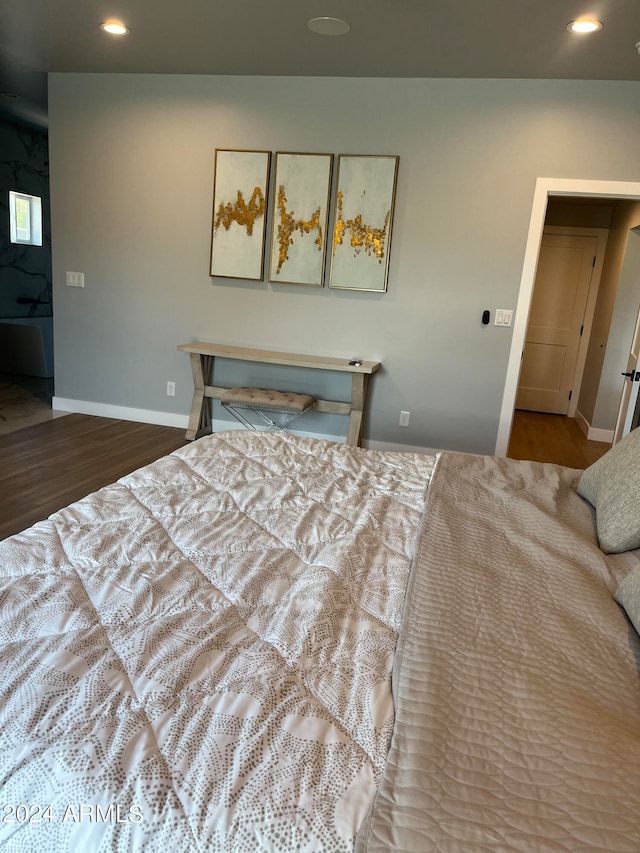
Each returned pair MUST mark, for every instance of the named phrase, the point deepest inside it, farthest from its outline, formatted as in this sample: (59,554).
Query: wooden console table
(202,358)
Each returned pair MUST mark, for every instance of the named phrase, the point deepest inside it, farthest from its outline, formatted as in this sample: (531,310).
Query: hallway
(552,438)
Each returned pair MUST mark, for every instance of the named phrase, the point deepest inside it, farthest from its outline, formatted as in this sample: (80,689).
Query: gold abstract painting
(300,218)
(365,201)
(239,218)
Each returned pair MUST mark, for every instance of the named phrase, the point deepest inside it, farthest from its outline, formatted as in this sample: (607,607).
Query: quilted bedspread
(516,678)
(198,656)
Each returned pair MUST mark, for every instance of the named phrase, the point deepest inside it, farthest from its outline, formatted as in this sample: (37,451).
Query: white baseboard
(600,435)
(123,413)
(582,422)
(399,448)
(147,416)
(221,426)
(592,433)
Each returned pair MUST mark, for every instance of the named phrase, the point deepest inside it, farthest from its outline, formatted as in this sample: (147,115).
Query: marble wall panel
(25,271)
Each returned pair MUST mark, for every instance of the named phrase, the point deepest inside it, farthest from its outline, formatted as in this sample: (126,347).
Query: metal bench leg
(272,426)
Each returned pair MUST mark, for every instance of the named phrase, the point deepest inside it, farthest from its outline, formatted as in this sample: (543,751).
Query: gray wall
(131,179)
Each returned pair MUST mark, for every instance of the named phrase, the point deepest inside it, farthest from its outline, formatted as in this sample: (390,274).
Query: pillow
(612,486)
(628,597)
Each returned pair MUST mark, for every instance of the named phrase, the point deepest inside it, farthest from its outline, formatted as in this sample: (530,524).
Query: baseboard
(399,448)
(147,416)
(605,435)
(122,413)
(592,433)
(582,422)
(221,426)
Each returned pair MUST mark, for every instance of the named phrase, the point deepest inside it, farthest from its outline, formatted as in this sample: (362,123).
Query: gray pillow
(628,596)
(612,486)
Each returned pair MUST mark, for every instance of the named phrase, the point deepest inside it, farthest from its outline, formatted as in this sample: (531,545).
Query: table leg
(200,415)
(358,394)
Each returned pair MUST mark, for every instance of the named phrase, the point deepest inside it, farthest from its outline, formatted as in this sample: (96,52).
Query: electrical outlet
(404,419)
(171,389)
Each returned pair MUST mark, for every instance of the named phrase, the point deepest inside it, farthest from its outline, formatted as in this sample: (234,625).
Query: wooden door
(563,277)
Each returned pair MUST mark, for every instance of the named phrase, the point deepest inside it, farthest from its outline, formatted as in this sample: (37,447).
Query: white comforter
(198,657)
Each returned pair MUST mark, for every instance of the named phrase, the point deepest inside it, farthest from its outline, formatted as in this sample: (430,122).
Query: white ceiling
(388,38)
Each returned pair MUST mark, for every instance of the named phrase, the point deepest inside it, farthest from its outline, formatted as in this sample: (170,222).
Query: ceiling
(388,38)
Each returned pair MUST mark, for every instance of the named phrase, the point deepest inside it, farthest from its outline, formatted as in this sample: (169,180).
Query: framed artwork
(300,218)
(240,189)
(363,220)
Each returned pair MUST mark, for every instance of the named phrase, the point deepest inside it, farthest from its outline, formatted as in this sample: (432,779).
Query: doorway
(545,188)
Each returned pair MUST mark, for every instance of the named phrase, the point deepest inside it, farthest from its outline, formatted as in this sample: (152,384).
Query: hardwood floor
(552,438)
(49,465)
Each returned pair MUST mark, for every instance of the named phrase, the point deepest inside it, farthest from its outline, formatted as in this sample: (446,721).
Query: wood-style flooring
(552,438)
(51,464)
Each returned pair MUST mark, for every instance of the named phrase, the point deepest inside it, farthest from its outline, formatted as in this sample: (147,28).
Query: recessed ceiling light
(328,26)
(584,25)
(114,28)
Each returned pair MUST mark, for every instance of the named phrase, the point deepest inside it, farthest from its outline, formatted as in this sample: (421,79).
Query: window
(25,216)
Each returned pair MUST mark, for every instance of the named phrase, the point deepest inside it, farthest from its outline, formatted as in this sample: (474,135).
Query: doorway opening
(593,192)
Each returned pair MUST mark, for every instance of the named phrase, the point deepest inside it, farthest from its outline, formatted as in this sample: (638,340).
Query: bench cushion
(260,398)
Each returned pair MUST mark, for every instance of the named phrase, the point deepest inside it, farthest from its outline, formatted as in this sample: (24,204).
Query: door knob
(633,375)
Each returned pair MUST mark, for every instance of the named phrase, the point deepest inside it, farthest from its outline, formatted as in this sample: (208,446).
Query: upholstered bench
(261,401)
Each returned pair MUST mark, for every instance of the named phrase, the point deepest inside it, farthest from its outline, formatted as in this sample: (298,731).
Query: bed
(268,643)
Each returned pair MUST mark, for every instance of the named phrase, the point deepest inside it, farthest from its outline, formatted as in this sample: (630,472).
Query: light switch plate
(504,317)
(75,279)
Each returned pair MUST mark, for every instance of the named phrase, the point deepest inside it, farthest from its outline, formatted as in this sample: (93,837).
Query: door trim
(545,187)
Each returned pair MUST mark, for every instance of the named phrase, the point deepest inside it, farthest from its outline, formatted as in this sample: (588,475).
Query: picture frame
(239,213)
(363,221)
(300,218)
